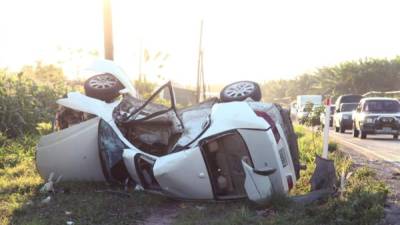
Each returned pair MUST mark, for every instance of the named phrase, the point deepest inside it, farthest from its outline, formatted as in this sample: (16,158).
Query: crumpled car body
(209,151)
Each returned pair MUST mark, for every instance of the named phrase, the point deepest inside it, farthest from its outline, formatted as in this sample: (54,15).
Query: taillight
(271,122)
(289,182)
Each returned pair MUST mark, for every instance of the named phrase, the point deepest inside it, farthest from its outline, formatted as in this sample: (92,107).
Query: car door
(257,185)
(267,175)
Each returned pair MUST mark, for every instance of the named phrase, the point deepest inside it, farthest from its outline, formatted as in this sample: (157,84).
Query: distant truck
(302,100)
(302,110)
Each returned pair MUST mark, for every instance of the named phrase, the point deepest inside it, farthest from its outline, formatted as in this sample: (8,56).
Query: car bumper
(381,128)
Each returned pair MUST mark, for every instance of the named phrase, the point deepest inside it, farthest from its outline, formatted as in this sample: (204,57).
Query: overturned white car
(220,149)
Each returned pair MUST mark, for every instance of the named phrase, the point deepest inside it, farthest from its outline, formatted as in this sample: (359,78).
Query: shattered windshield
(196,120)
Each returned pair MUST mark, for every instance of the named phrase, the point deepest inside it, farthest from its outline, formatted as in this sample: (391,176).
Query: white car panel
(83,103)
(174,180)
(258,187)
(72,153)
(240,116)
(256,139)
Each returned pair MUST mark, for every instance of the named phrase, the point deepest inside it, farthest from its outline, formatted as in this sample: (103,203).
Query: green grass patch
(362,203)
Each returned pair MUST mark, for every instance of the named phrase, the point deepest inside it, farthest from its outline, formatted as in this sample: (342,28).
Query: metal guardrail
(384,93)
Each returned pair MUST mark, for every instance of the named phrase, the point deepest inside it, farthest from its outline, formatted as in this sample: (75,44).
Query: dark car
(349,98)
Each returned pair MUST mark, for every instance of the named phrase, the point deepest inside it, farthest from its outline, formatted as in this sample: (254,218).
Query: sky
(242,39)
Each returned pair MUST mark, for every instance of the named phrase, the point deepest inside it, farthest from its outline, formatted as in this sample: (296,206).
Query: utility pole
(108,35)
(201,86)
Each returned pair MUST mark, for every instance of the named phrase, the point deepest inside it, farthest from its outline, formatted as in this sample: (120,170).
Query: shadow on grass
(86,203)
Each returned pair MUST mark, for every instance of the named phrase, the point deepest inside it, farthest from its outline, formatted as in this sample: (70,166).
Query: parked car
(377,116)
(331,113)
(220,149)
(343,119)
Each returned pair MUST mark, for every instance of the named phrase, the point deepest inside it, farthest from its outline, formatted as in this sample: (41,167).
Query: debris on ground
(49,186)
(324,176)
(265,212)
(200,207)
(312,196)
(46,200)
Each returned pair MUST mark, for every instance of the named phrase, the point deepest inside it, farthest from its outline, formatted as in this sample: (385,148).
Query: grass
(88,203)
(20,198)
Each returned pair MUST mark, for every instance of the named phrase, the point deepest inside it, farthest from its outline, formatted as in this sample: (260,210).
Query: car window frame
(155,114)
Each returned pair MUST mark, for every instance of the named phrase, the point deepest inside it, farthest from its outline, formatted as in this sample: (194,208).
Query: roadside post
(326,128)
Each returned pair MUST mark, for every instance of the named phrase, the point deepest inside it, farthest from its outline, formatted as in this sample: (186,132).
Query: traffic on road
(369,125)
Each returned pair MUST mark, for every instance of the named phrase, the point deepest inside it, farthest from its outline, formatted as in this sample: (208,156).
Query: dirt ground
(390,174)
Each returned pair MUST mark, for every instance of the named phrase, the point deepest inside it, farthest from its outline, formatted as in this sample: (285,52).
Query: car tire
(341,129)
(356,133)
(363,135)
(240,91)
(336,129)
(395,136)
(105,87)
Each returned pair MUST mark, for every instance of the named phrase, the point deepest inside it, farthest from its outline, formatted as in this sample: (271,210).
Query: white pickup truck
(377,116)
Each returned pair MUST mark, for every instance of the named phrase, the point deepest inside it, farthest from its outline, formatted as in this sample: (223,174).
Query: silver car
(220,149)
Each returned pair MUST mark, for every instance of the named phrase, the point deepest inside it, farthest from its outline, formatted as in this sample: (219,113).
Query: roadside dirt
(390,174)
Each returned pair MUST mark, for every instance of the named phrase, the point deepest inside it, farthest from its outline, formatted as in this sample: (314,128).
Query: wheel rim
(240,89)
(103,81)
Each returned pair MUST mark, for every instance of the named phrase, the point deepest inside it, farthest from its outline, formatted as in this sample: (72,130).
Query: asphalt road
(382,147)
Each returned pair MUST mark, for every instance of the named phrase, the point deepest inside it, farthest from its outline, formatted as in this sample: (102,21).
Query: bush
(13,151)
(24,103)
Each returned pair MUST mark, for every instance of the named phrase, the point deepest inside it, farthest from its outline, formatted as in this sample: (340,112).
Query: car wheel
(355,131)
(336,129)
(103,86)
(395,136)
(363,135)
(342,130)
(240,91)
